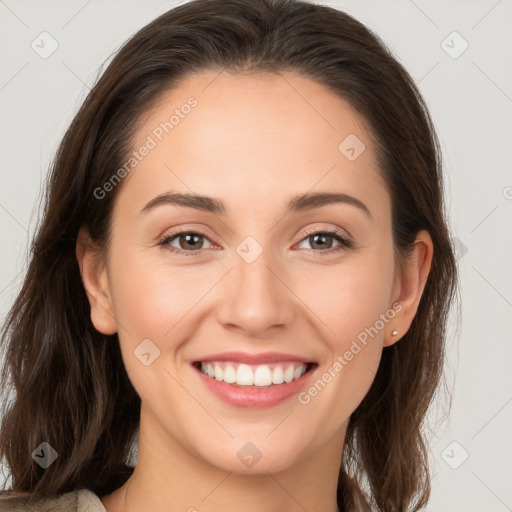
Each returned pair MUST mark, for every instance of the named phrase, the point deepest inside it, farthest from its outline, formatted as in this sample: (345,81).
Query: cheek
(151,302)
(150,297)
(351,307)
(349,298)
(352,302)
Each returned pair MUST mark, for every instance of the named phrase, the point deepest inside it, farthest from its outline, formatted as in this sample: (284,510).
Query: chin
(255,456)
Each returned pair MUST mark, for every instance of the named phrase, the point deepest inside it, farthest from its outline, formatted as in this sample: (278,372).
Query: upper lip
(247,358)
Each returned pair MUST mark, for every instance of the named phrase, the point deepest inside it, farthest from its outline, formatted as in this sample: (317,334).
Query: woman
(244,270)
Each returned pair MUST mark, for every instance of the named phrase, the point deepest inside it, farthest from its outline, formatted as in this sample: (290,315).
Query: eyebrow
(296,204)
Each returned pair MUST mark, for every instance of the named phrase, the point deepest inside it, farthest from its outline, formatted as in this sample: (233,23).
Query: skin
(253,141)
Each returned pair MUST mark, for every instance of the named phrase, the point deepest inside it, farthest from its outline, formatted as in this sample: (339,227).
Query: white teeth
(288,374)
(229,374)
(277,375)
(244,375)
(261,375)
(218,373)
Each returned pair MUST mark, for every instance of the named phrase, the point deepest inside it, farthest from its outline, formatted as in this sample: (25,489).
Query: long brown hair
(70,385)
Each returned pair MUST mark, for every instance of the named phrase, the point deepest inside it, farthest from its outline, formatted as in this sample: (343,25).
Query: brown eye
(184,242)
(321,241)
(190,241)
(324,240)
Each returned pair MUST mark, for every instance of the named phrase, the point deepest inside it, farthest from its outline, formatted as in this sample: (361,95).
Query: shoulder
(89,502)
(81,500)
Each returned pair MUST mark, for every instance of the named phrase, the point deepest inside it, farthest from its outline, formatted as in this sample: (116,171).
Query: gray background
(470,99)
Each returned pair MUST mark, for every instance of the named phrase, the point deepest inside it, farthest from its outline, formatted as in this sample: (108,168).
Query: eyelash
(345,243)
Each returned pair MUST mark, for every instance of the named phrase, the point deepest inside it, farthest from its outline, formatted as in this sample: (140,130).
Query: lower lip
(254,398)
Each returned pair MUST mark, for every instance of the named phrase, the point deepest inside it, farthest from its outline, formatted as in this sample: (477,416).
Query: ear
(409,285)
(95,281)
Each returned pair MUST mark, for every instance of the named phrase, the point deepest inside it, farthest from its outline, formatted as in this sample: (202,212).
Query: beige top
(82,500)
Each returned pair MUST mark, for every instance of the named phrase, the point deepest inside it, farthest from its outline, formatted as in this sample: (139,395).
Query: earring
(394,333)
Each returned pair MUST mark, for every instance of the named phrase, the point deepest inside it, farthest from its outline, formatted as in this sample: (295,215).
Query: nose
(255,298)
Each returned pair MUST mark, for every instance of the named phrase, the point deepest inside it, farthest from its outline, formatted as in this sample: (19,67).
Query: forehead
(257,136)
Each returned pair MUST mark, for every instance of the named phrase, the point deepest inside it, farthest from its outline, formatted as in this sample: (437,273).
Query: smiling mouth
(254,376)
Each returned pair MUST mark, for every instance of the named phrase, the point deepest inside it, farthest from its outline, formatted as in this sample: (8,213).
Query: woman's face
(251,272)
